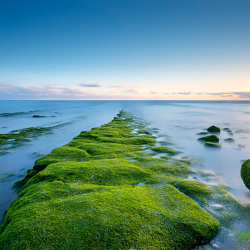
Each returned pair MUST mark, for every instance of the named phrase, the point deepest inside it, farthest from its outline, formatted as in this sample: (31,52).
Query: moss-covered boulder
(245,173)
(213,129)
(103,191)
(209,138)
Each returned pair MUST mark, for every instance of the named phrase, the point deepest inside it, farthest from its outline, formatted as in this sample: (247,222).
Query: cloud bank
(118,92)
(9,91)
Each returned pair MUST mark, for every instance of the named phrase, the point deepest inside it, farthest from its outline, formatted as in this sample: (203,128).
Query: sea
(179,121)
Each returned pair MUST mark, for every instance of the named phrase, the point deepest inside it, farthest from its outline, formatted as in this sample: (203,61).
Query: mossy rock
(195,189)
(213,129)
(212,144)
(18,137)
(245,173)
(163,149)
(64,153)
(229,140)
(103,191)
(209,138)
(112,218)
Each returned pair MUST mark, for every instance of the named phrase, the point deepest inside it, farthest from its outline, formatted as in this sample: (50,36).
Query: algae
(212,144)
(163,149)
(104,191)
(18,137)
(17,113)
(213,129)
(242,240)
(245,173)
(209,138)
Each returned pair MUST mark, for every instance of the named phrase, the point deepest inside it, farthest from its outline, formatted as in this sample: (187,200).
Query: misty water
(178,121)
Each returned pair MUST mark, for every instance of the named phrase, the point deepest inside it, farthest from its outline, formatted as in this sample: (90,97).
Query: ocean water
(178,121)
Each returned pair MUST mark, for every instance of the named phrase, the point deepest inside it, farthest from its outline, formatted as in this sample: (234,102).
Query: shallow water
(72,118)
(180,121)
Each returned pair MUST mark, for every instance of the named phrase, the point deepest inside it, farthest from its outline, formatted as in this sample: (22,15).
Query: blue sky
(161,49)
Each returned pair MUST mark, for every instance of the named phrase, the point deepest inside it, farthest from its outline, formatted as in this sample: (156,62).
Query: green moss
(99,172)
(194,189)
(113,218)
(18,137)
(245,173)
(14,114)
(213,129)
(141,131)
(111,150)
(210,138)
(212,144)
(242,240)
(163,149)
(103,191)
(64,153)
(170,169)
(233,209)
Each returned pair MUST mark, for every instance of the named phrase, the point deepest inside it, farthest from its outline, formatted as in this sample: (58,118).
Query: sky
(125,50)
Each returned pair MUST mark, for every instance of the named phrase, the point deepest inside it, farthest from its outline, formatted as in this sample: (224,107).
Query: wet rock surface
(213,129)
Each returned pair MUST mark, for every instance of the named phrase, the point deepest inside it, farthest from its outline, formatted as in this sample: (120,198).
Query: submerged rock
(213,129)
(245,173)
(6,177)
(240,146)
(209,138)
(38,116)
(230,140)
(202,133)
(227,130)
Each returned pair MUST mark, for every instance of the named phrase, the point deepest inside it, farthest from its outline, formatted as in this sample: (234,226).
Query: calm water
(180,120)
